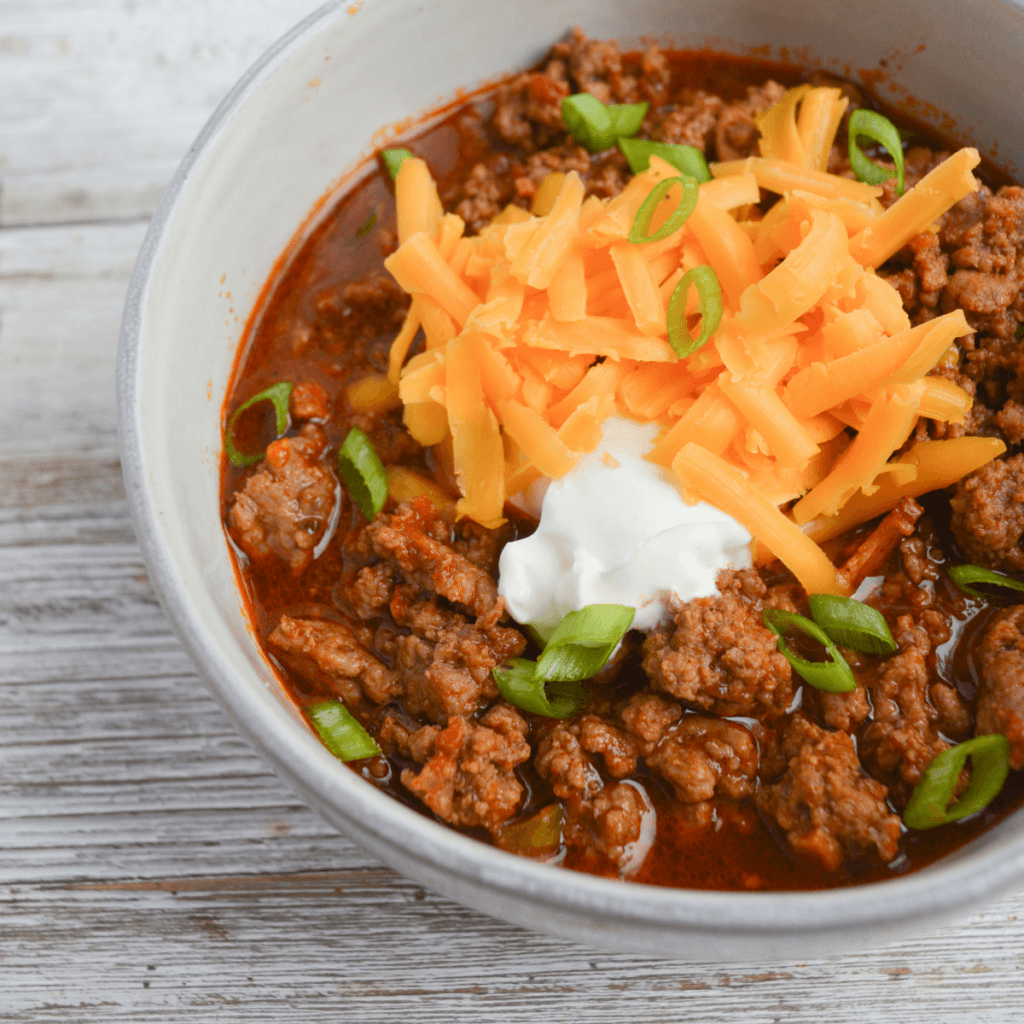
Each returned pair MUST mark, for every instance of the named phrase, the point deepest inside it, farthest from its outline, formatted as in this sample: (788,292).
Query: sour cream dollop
(615,530)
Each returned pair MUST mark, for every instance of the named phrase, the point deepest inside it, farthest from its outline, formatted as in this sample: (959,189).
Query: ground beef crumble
(605,818)
(903,737)
(988,514)
(829,808)
(447,661)
(528,118)
(1001,687)
(329,653)
(468,777)
(286,504)
(415,541)
(716,654)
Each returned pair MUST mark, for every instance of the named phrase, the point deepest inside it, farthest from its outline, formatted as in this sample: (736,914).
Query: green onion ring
(583,642)
(852,624)
(709,291)
(363,473)
(596,126)
(341,733)
(578,649)
(541,833)
(279,395)
(835,676)
(644,216)
(990,764)
(881,130)
(688,159)
(520,684)
(966,575)
(393,160)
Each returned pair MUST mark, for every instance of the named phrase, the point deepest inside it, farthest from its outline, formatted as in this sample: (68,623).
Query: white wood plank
(366,946)
(100,99)
(61,294)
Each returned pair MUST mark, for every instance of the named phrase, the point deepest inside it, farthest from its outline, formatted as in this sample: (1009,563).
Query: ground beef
(647,716)
(899,595)
(702,758)
(468,777)
(330,655)
(415,541)
(716,654)
(1001,686)
(595,66)
(988,514)
(370,592)
(974,261)
(285,506)
(901,741)
(916,563)
(480,545)
(309,401)
(691,123)
(605,819)
(486,191)
(618,749)
(655,75)
(528,110)
(447,661)
(735,132)
(350,316)
(830,810)
(843,711)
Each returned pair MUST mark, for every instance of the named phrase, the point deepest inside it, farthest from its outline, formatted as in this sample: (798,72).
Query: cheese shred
(548,322)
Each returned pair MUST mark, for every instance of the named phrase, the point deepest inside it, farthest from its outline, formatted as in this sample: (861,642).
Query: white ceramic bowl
(305,113)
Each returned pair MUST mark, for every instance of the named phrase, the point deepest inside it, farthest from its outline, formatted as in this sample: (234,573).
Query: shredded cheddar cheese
(548,322)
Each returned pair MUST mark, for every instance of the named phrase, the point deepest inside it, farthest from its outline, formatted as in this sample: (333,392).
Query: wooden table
(151,867)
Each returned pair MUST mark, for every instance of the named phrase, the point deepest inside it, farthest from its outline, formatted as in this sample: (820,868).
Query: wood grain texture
(101,98)
(151,867)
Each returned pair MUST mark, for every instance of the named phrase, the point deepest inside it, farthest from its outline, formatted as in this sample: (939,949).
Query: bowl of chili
(296,132)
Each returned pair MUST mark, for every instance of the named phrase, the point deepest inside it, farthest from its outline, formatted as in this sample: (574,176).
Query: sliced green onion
(835,676)
(539,834)
(852,623)
(583,641)
(874,126)
(688,159)
(644,216)
(341,733)
(578,649)
(393,160)
(367,226)
(990,764)
(626,119)
(709,291)
(279,395)
(363,473)
(520,684)
(595,126)
(966,575)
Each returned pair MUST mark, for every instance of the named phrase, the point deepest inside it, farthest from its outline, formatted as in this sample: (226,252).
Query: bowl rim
(949,886)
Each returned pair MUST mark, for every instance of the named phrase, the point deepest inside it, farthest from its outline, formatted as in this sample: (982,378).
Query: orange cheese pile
(543,325)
